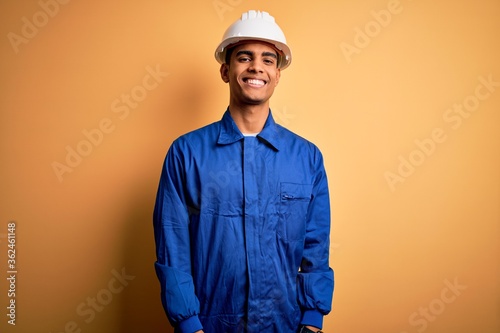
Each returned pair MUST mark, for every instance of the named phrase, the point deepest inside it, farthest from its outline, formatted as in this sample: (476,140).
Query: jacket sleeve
(315,279)
(171,231)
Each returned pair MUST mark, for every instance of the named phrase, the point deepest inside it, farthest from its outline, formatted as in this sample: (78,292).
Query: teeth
(256,82)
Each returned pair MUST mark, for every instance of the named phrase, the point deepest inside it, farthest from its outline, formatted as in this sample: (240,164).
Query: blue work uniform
(242,230)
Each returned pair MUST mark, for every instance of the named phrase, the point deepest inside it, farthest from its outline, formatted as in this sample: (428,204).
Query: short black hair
(229,52)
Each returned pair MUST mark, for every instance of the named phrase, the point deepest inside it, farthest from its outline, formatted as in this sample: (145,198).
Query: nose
(256,66)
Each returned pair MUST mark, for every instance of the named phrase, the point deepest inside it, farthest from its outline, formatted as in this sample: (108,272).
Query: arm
(315,279)
(173,251)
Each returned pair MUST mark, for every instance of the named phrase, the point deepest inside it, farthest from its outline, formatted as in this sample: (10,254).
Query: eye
(244,59)
(269,61)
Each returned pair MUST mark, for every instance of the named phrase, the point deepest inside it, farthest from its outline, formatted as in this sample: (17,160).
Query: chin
(256,101)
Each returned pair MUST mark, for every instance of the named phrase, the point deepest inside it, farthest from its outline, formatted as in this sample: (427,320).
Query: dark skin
(252,74)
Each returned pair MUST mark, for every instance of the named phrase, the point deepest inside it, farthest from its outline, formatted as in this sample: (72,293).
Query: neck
(249,118)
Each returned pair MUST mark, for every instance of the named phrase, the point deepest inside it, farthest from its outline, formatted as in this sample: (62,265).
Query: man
(242,216)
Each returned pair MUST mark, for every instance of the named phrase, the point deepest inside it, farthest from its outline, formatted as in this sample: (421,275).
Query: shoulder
(292,140)
(202,135)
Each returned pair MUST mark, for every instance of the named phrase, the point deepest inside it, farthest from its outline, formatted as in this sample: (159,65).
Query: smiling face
(252,73)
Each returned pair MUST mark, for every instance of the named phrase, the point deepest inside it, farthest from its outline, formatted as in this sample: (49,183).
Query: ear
(278,76)
(224,72)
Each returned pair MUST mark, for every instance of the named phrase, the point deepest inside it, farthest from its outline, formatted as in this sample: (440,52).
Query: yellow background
(397,245)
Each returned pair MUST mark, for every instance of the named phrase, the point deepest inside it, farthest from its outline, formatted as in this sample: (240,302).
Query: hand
(200,331)
(312,328)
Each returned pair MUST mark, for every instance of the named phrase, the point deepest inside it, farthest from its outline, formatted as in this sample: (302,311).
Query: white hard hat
(255,25)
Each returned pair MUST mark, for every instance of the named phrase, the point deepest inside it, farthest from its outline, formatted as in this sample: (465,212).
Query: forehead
(255,47)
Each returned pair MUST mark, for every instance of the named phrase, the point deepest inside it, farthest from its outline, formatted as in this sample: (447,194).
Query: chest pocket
(294,202)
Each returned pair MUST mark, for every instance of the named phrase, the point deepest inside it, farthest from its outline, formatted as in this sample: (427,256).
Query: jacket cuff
(190,325)
(312,318)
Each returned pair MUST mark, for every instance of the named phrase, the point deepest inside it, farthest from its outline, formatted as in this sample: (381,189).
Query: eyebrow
(264,54)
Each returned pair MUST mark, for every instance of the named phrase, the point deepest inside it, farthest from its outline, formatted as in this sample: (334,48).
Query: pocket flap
(292,191)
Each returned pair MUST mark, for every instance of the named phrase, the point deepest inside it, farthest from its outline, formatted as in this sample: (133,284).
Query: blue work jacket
(242,230)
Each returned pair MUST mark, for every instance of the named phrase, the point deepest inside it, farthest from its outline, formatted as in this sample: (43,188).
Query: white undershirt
(251,134)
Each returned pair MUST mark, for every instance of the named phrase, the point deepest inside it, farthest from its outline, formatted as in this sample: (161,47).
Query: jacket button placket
(250,183)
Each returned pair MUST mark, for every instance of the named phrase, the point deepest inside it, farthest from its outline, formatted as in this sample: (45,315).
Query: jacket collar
(229,132)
